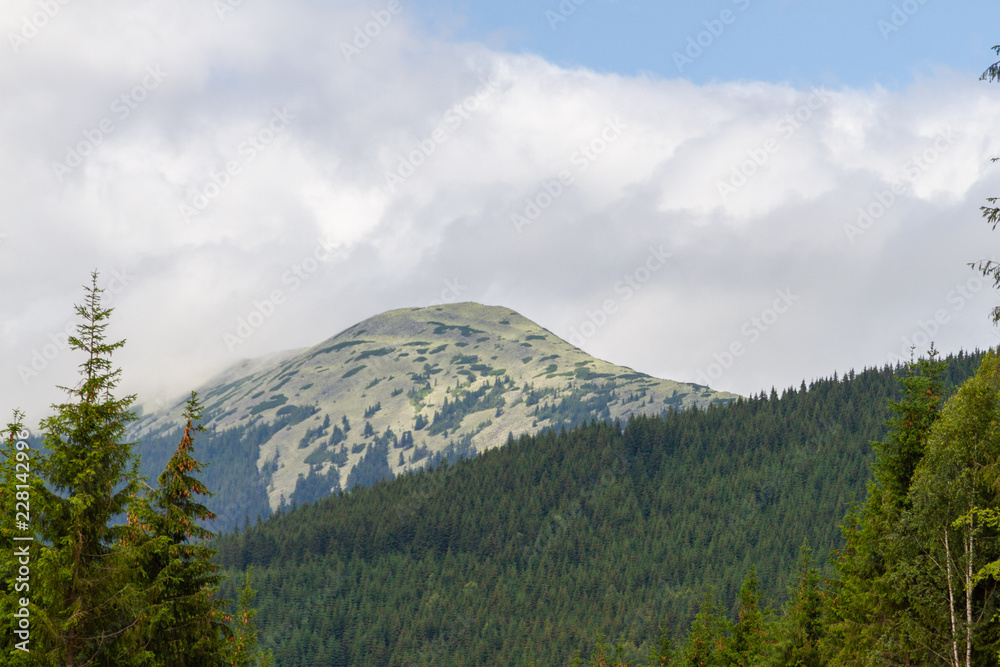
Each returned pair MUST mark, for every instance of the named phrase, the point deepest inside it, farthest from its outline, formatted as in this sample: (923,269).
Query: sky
(740,193)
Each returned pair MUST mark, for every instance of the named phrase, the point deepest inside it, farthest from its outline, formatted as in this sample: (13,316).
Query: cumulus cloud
(216,163)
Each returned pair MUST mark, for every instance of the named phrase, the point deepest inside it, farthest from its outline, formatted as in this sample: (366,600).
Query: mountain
(533,548)
(400,391)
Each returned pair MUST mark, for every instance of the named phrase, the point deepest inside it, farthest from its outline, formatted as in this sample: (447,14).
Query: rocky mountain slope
(405,388)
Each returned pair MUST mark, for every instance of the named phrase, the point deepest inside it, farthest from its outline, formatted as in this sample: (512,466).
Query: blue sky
(857,43)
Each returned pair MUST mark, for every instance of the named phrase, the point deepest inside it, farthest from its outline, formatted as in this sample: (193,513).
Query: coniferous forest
(852,520)
(748,533)
(627,531)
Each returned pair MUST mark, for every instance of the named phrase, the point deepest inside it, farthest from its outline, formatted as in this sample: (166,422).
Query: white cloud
(650,181)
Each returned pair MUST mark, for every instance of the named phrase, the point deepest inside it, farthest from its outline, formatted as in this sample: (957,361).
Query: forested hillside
(396,392)
(534,548)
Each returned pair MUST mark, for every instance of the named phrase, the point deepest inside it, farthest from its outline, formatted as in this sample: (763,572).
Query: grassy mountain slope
(404,388)
(534,547)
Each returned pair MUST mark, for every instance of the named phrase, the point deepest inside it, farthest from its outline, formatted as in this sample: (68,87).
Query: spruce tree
(118,577)
(800,632)
(751,630)
(708,639)
(871,605)
(953,607)
(90,475)
(920,406)
(182,624)
(661,652)
(243,650)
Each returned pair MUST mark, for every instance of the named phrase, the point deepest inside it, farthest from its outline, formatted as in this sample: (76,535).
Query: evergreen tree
(952,608)
(116,577)
(751,630)
(661,653)
(181,624)
(243,650)
(871,605)
(800,632)
(91,477)
(915,413)
(708,639)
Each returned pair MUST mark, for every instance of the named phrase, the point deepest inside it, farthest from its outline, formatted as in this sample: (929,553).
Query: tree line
(532,549)
(916,580)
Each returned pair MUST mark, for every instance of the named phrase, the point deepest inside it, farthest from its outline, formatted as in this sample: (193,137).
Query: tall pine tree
(243,650)
(751,631)
(920,406)
(872,608)
(91,478)
(953,608)
(182,624)
(800,632)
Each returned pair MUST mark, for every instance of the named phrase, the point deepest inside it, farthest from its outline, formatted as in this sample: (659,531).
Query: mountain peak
(404,388)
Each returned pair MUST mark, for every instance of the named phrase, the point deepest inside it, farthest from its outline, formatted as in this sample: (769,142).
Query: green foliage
(102,591)
(907,590)
(380,352)
(871,600)
(90,475)
(897,459)
(180,623)
(273,402)
(354,371)
(289,415)
(16,459)
(243,650)
(707,640)
(485,397)
(373,467)
(338,347)
(800,632)
(464,329)
(661,653)
(751,631)
(950,543)
(537,546)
